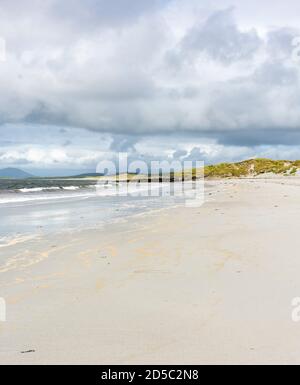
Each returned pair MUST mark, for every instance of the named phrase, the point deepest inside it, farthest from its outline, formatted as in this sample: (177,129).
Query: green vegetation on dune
(247,168)
(252,167)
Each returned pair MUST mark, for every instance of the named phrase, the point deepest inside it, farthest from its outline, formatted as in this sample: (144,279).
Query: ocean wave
(71,188)
(46,197)
(38,194)
(38,189)
(54,188)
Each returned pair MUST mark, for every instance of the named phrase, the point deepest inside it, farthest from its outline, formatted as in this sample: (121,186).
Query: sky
(81,81)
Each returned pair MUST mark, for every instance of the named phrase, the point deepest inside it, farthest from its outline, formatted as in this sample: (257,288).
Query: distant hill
(88,175)
(14,173)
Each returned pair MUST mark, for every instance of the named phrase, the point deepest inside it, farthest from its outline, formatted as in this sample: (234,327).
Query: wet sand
(180,286)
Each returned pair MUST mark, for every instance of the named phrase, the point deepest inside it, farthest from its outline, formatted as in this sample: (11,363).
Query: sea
(32,207)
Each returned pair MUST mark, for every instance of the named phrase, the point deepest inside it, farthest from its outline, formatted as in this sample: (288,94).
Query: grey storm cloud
(179,153)
(123,143)
(134,67)
(220,38)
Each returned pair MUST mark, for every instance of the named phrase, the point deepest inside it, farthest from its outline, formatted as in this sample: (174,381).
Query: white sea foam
(38,189)
(53,188)
(71,188)
(14,198)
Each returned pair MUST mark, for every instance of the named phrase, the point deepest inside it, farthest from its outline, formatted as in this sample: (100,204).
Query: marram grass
(252,167)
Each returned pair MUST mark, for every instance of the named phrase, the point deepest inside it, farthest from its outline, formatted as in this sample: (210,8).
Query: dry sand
(184,285)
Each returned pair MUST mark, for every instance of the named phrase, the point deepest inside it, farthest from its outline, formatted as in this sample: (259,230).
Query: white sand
(207,285)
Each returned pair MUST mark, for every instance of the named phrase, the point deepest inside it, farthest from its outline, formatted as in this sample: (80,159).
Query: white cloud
(141,78)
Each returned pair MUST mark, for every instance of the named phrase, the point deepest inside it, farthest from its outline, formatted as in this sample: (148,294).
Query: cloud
(132,69)
(220,39)
(106,13)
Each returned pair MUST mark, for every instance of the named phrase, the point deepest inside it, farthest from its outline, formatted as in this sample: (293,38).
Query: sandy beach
(207,285)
